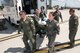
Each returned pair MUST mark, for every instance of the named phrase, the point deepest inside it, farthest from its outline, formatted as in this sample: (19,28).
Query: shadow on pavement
(14,50)
(9,29)
(64,48)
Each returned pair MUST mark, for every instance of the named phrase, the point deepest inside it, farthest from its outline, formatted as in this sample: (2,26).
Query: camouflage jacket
(73,22)
(52,27)
(27,26)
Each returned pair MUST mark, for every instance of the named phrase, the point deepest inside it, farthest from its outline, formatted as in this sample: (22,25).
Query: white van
(13,7)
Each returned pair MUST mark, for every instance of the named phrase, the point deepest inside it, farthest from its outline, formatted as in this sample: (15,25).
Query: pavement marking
(78,42)
(43,51)
(58,47)
(10,37)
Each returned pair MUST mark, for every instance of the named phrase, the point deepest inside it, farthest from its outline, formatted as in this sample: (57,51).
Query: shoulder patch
(31,20)
(76,17)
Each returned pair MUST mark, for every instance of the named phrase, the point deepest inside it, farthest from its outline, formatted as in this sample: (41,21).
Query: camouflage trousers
(26,43)
(51,44)
(72,34)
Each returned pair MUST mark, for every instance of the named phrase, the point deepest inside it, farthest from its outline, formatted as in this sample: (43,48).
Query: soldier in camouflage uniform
(52,30)
(73,26)
(36,19)
(42,13)
(58,15)
(28,28)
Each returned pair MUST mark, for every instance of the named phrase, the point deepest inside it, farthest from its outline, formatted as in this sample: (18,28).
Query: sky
(68,3)
(0,1)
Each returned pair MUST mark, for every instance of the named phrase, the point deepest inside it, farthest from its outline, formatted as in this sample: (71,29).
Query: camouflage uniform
(52,30)
(36,20)
(58,15)
(28,29)
(42,15)
(38,27)
(73,26)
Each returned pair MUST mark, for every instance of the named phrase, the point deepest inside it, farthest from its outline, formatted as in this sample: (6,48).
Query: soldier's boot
(71,44)
(51,50)
(27,49)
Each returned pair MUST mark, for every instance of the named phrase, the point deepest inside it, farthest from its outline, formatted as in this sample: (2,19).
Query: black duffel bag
(42,29)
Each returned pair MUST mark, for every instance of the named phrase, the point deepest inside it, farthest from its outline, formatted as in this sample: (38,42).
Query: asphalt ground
(62,42)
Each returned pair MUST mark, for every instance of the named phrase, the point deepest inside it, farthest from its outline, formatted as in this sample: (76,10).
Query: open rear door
(42,3)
